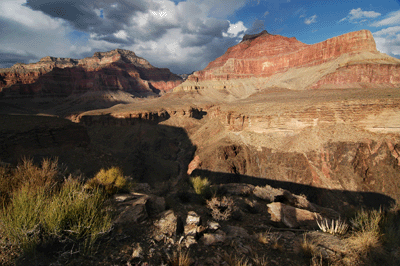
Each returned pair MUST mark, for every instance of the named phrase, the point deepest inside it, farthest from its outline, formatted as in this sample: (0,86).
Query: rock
(292,217)
(213,226)
(279,61)
(114,70)
(211,239)
(137,251)
(190,230)
(155,205)
(133,212)
(192,218)
(328,246)
(193,165)
(236,232)
(239,189)
(142,187)
(190,241)
(169,224)
(271,194)
(124,197)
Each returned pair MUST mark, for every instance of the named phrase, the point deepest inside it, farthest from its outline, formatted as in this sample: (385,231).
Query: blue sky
(181,35)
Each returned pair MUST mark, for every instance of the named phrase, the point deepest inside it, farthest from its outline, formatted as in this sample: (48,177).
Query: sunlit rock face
(115,70)
(265,60)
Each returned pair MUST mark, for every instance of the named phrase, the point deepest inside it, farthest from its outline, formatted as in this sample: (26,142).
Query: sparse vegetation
(201,186)
(334,227)
(111,180)
(270,239)
(234,260)
(221,208)
(308,248)
(180,258)
(42,208)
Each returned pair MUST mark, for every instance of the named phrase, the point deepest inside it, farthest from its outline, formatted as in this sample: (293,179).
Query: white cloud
(310,20)
(235,29)
(388,40)
(15,11)
(183,36)
(391,31)
(392,19)
(359,16)
(266,13)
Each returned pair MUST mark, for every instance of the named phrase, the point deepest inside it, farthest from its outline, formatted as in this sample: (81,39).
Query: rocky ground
(261,226)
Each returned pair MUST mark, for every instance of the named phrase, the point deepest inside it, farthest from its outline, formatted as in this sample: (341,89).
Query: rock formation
(115,70)
(264,60)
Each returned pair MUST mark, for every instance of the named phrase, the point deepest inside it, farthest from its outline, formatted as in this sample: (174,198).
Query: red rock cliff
(266,55)
(115,70)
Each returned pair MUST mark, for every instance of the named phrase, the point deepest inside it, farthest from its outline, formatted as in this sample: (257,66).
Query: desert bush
(111,180)
(221,208)
(334,227)
(365,241)
(44,209)
(76,212)
(367,221)
(201,186)
(46,177)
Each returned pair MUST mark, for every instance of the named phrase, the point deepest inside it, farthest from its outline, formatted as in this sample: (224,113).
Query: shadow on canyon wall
(146,150)
(336,199)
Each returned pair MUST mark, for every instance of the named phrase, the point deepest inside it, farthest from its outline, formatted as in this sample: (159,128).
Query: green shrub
(201,186)
(111,180)
(42,208)
(46,177)
(368,221)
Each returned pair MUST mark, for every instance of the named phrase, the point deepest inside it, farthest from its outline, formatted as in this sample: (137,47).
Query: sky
(183,36)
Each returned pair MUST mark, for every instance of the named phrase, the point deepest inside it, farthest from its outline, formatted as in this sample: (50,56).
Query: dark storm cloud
(85,14)
(9,59)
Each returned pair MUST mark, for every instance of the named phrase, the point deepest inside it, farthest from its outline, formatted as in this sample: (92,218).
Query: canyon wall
(344,61)
(114,70)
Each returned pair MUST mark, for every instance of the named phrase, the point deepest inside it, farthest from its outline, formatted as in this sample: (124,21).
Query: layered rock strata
(115,70)
(265,60)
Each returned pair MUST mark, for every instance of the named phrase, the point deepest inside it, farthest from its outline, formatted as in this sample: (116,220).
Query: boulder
(193,218)
(133,211)
(211,239)
(169,224)
(288,216)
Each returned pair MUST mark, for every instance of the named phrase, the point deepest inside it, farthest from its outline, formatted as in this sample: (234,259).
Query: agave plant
(334,227)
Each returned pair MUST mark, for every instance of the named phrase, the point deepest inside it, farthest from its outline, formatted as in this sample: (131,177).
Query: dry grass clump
(270,239)
(180,258)
(234,260)
(366,239)
(333,227)
(42,209)
(111,180)
(221,208)
(309,248)
(201,186)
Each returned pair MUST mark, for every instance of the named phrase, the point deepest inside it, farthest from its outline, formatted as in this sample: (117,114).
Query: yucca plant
(333,227)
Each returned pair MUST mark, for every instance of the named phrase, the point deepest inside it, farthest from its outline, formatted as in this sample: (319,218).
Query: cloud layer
(183,36)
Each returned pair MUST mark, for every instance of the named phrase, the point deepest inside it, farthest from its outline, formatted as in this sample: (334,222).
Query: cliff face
(346,60)
(114,70)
